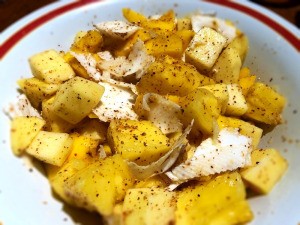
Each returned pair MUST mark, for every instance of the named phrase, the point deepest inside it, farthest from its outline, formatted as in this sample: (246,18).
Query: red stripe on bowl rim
(21,33)
(285,33)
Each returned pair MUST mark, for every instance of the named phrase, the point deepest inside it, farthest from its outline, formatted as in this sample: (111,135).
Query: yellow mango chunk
(100,185)
(36,90)
(22,131)
(138,141)
(265,105)
(165,45)
(53,122)
(177,78)
(49,66)
(237,213)
(50,147)
(149,206)
(267,168)
(202,107)
(59,175)
(200,203)
(83,147)
(76,98)
(246,83)
(164,23)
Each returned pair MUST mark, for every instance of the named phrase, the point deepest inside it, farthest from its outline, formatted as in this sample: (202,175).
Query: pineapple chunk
(237,213)
(36,90)
(265,105)
(204,49)
(175,76)
(267,168)
(94,129)
(245,128)
(83,148)
(149,206)
(50,67)
(200,203)
(202,107)
(227,67)
(241,44)
(53,122)
(237,105)
(59,175)
(22,132)
(76,98)
(50,147)
(186,36)
(138,141)
(221,93)
(246,83)
(100,185)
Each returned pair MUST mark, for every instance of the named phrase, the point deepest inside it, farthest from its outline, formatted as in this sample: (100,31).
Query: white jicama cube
(51,147)
(50,67)
(204,49)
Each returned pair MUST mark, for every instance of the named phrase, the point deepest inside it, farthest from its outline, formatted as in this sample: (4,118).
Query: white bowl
(25,195)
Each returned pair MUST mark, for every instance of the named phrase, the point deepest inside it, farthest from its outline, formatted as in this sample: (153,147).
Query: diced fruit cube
(138,141)
(58,176)
(50,147)
(22,132)
(221,93)
(50,67)
(237,213)
(149,206)
(165,45)
(83,148)
(237,105)
(175,76)
(267,168)
(76,98)
(241,44)
(53,122)
(227,67)
(100,185)
(204,49)
(265,105)
(202,107)
(37,90)
(200,203)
